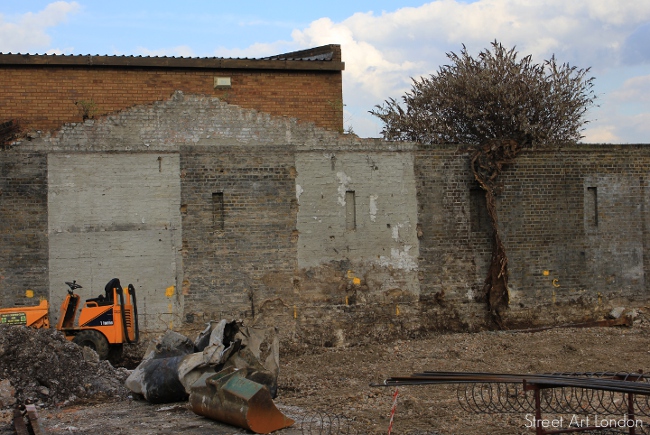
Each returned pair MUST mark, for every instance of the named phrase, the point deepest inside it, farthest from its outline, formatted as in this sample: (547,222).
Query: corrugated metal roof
(327,57)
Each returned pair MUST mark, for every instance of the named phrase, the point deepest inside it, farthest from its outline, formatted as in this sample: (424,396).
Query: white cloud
(634,90)
(601,134)
(67,50)
(640,123)
(178,51)
(258,50)
(383,51)
(623,115)
(28,32)
(368,68)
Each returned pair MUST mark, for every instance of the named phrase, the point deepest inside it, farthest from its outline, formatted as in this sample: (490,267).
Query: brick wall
(46,97)
(266,224)
(23,227)
(573,221)
(576,222)
(239,215)
(454,254)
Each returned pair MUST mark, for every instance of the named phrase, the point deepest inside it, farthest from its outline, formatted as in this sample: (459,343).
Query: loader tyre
(94,340)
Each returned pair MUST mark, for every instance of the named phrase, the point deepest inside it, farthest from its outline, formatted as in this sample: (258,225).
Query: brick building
(43,92)
(214,210)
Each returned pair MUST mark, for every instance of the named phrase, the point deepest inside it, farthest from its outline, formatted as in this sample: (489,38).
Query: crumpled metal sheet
(174,363)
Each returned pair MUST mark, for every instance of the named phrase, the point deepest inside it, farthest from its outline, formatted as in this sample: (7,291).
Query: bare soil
(336,382)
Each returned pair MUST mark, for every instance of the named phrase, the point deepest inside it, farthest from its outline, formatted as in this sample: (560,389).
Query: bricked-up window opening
(350,211)
(217,211)
(479,219)
(592,206)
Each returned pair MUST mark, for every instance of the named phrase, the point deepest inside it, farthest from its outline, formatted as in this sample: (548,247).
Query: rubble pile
(46,369)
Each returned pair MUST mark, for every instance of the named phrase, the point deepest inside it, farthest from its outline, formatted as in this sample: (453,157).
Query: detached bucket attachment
(231,398)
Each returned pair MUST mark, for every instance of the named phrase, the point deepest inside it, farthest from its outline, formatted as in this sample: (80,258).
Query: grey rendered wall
(116,215)
(384,215)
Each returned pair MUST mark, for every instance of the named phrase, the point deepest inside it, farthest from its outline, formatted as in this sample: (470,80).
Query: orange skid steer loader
(105,322)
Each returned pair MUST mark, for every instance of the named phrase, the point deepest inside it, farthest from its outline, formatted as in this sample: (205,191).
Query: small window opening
(478,215)
(217,211)
(350,211)
(592,206)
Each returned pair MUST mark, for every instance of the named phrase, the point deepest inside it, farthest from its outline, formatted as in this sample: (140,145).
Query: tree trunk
(488,160)
(495,287)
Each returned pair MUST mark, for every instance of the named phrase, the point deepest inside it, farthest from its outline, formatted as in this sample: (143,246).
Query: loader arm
(68,311)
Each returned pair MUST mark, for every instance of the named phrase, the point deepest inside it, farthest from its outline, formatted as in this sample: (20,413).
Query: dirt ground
(335,382)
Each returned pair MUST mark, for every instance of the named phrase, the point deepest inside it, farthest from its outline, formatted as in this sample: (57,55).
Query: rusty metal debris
(230,397)
(19,423)
(32,426)
(624,395)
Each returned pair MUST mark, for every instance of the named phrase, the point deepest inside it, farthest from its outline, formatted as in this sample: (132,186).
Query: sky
(384,43)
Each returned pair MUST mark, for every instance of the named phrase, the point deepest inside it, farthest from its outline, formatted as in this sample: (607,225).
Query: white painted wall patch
(299,191)
(344,180)
(373,208)
(399,259)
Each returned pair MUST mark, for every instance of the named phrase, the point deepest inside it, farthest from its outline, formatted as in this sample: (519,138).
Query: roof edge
(324,58)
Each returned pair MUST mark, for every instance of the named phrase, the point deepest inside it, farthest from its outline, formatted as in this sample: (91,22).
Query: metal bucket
(229,397)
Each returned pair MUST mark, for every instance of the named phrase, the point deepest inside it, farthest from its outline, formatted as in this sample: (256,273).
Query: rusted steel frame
(614,392)
(32,416)
(539,429)
(630,412)
(19,423)
(642,402)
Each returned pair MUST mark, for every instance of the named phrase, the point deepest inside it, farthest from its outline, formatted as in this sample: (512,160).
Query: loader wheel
(94,340)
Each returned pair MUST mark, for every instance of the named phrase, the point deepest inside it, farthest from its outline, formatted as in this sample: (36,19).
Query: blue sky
(384,42)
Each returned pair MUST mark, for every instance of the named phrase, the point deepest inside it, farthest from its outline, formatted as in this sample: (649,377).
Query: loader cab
(109,297)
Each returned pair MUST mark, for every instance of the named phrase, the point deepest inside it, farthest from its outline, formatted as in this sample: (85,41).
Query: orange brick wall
(44,97)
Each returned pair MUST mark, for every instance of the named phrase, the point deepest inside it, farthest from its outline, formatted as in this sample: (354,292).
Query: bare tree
(496,105)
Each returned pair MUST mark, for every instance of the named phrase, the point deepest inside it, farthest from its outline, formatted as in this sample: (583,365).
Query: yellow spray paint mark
(350,274)
(600,298)
(170,307)
(397,310)
(346,301)
(295,312)
(556,283)
(169,292)
(356,281)
(553,298)
(29,293)
(546,273)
